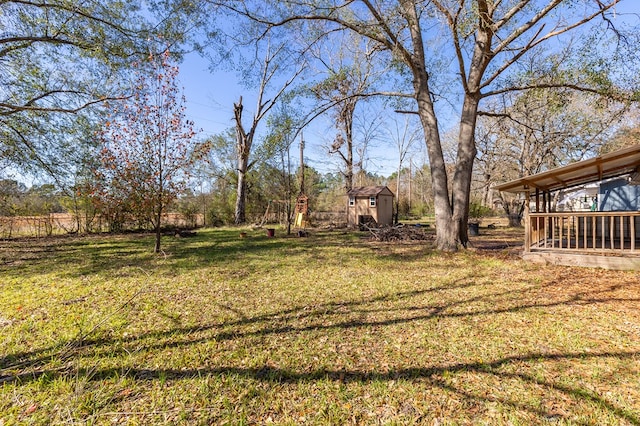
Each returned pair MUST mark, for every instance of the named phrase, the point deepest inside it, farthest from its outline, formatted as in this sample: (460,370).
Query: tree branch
(76,11)
(535,40)
(9,109)
(34,153)
(620,97)
(453,26)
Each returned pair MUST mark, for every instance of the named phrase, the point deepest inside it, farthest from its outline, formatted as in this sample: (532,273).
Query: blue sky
(210,98)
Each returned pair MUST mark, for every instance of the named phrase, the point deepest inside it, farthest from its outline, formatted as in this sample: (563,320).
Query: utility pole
(410,179)
(301,163)
(302,202)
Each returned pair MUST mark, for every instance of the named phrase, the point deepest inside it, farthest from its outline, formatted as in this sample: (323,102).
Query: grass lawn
(329,329)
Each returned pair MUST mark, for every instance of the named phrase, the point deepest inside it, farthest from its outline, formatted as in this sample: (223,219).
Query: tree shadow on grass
(433,376)
(74,256)
(338,310)
(295,315)
(22,368)
(81,256)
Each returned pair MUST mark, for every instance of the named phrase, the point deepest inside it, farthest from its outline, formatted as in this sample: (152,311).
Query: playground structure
(301,211)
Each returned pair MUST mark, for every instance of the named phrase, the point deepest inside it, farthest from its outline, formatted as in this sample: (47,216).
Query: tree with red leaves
(147,148)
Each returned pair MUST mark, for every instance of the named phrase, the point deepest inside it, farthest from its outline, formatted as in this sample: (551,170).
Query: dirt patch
(498,239)
(398,233)
(490,239)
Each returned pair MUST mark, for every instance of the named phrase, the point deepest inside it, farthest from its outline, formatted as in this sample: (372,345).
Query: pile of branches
(397,233)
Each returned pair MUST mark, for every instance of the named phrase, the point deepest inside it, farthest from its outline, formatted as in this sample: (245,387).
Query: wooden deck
(599,239)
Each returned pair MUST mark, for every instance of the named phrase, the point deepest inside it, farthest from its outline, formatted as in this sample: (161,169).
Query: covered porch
(601,233)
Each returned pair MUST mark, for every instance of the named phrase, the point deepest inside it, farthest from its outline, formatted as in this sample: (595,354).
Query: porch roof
(605,166)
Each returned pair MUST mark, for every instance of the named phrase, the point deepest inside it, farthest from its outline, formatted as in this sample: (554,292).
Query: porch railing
(612,232)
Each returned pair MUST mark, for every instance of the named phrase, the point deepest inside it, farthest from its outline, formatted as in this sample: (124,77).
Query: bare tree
(404,137)
(538,130)
(487,40)
(351,75)
(245,136)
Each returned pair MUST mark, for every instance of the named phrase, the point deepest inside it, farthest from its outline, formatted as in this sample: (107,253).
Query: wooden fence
(64,223)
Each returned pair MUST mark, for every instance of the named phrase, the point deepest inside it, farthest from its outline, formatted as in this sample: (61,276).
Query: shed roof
(605,166)
(369,191)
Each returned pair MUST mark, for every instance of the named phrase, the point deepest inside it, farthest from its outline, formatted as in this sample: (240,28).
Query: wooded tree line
(490,89)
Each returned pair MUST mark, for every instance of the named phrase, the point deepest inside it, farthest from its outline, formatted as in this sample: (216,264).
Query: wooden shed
(370,204)
(605,232)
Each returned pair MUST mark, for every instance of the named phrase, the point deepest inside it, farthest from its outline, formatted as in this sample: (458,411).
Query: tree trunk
(515,220)
(243,148)
(464,167)
(158,235)
(160,198)
(487,192)
(447,230)
(348,128)
(157,226)
(452,209)
(241,194)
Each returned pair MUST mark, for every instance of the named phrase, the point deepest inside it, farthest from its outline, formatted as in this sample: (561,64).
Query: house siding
(618,195)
